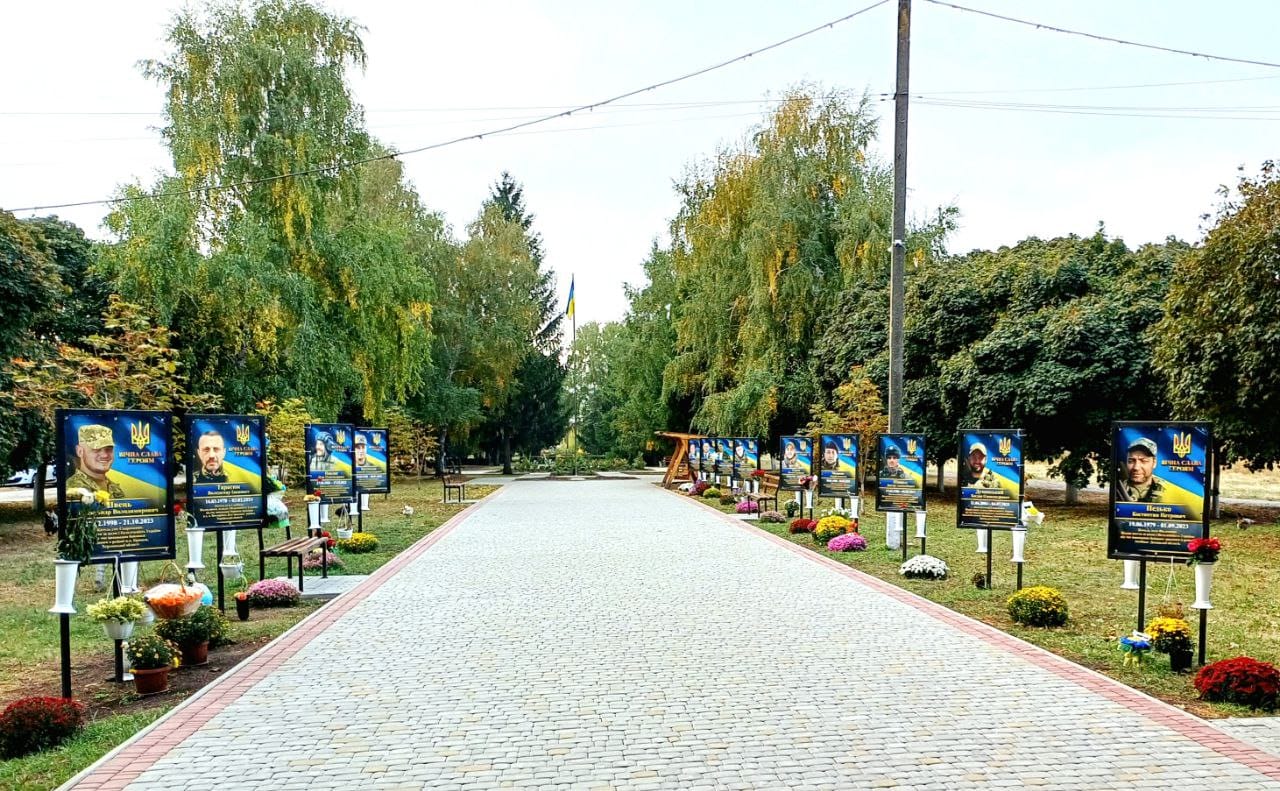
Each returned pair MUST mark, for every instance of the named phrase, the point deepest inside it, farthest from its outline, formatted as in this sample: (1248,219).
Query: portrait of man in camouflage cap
(95,452)
(1138,481)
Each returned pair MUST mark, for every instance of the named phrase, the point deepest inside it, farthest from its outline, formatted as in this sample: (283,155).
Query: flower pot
(65,586)
(1180,661)
(242,609)
(364,502)
(195,547)
(324,513)
(1204,581)
(893,523)
(313,514)
(231,572)
(118,630)
(129,577)
(1130,576)
(150,682)
(148,616)
(982,541)
(920,533)
(194,654)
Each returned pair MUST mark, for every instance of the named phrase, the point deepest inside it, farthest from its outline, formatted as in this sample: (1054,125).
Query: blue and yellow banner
(329,468)
(226,471)
(900,481)
(693,455)
(371,455)
(795,462)
(707,458)
(1158,488)
(991,473)
(838,467)
(724,456)
(123,459)
(746,457)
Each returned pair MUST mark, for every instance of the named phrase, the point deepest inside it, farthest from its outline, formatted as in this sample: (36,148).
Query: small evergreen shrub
(30,725)
(1038,605)
(1241,680)
(711,492)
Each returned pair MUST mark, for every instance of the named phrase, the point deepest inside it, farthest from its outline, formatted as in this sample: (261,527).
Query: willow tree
(281,267)
(771,237)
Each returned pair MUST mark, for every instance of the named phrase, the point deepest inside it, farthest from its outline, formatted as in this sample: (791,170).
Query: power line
(337,167)
(1099,37)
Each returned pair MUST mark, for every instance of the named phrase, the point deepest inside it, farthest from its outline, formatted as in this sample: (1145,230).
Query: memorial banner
(1159,494)
(746,457)
(707,459)
(991,477)
(724,456)
(796,462)
(838,476)
(226,471)
(117,468)
(694,455)
(371,456)
(329,473)
(900,482)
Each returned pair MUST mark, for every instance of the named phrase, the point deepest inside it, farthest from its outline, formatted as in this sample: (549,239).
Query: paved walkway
(630,638)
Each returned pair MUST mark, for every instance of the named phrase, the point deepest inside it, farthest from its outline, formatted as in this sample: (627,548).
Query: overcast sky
(78,119)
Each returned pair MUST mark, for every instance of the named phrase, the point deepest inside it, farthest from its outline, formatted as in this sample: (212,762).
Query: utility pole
(897,290)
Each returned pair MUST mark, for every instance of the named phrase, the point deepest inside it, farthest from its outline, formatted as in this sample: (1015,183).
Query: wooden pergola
(678,466)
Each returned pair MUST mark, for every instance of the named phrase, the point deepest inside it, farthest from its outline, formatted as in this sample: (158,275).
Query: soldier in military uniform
(1140,484)
(976,473)
(892,468)
(831,456)
(95,453)
(322,456)
(211,449)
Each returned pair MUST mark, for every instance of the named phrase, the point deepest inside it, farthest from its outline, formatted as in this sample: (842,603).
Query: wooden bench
(294,548)
(763,497)
(456,484)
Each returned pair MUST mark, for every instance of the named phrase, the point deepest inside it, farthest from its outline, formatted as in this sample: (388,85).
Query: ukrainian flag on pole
(568,311)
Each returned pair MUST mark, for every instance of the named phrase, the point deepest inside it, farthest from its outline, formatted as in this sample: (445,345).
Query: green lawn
(29,653)
(1068,552)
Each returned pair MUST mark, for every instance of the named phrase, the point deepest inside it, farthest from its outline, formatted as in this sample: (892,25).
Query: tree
(1217,344)
(535,416)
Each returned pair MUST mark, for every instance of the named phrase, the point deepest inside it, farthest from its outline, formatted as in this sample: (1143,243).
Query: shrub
(979,580)
(30,725)
(828,527)
(748,507)
(924,567)
(802,525)
(792,508)
(274,593)
(312,560)
(847,542)
(1240,680)
(1038,605)
(1169,635)
(151,651)
(772,516)
(700,487)
(727,499)
(206,623)
(359,543)
(711,492)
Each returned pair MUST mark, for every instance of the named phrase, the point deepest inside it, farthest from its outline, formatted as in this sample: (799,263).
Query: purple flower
(748,507)
(847,542)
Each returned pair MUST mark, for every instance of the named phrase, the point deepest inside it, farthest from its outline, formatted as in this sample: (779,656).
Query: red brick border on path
(118,768)
(1171,717)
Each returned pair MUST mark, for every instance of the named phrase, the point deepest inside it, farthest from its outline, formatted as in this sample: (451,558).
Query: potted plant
(151,657)
(1204,555)
(1172,636)
(116,615)
(75,544)
(242,604)
(192,634)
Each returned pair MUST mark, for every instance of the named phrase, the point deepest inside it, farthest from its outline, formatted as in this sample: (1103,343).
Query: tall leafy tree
(1218,341)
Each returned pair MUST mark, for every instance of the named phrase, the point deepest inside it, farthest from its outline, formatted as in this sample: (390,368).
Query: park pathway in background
(607,634)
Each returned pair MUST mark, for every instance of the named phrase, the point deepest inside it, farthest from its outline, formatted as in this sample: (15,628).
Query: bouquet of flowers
(807,481)
(757,473)
(1169,635)
(1135,647)
(1203,550)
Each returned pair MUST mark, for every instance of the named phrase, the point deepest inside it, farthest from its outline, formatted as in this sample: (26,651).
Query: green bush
(1039,605)
(727,499)
(712,493)
(206,623)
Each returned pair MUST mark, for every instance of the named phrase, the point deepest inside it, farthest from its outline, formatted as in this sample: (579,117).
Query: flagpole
(577,395)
